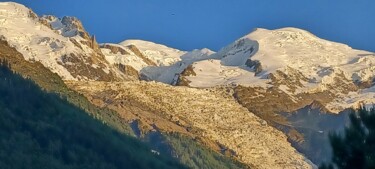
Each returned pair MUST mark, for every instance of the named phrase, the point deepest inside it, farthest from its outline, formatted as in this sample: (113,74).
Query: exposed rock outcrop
(136,51)
(115,49)
(255,65)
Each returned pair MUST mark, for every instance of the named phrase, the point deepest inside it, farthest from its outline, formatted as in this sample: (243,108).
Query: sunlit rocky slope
(210,115)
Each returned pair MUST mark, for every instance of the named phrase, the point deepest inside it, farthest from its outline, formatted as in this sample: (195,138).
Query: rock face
(182,81)
(113,49)
(210,115)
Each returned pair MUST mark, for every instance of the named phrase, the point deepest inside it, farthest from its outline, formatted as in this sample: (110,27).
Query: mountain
(293,63)
(256,101)
(60,44)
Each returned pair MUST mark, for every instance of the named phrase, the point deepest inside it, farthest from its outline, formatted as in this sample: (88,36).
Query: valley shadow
(313,126)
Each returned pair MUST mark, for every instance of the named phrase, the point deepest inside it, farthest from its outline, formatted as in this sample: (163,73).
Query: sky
(213,24)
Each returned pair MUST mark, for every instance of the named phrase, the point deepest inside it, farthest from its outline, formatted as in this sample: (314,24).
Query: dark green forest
(43,130)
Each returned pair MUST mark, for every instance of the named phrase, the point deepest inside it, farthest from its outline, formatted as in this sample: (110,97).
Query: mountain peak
(12,9)
(291,30)
(13,5)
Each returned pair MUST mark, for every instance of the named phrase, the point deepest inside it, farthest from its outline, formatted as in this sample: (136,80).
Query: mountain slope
(210,115)
(41,130)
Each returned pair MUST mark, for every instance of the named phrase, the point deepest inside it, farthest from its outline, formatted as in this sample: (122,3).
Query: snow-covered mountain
(263,52)
(266,72)
(61,44)
(294,62)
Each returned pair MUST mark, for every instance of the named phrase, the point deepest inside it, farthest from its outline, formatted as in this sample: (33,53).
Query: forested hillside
(43,130)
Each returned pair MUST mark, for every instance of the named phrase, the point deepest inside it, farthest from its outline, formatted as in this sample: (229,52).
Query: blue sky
(190,24)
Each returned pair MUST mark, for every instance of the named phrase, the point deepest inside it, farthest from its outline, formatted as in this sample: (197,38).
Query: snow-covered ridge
(166,63)
(125,58)
(170,74)
(34,40)
(160,54)
(62,45)
(66,26)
